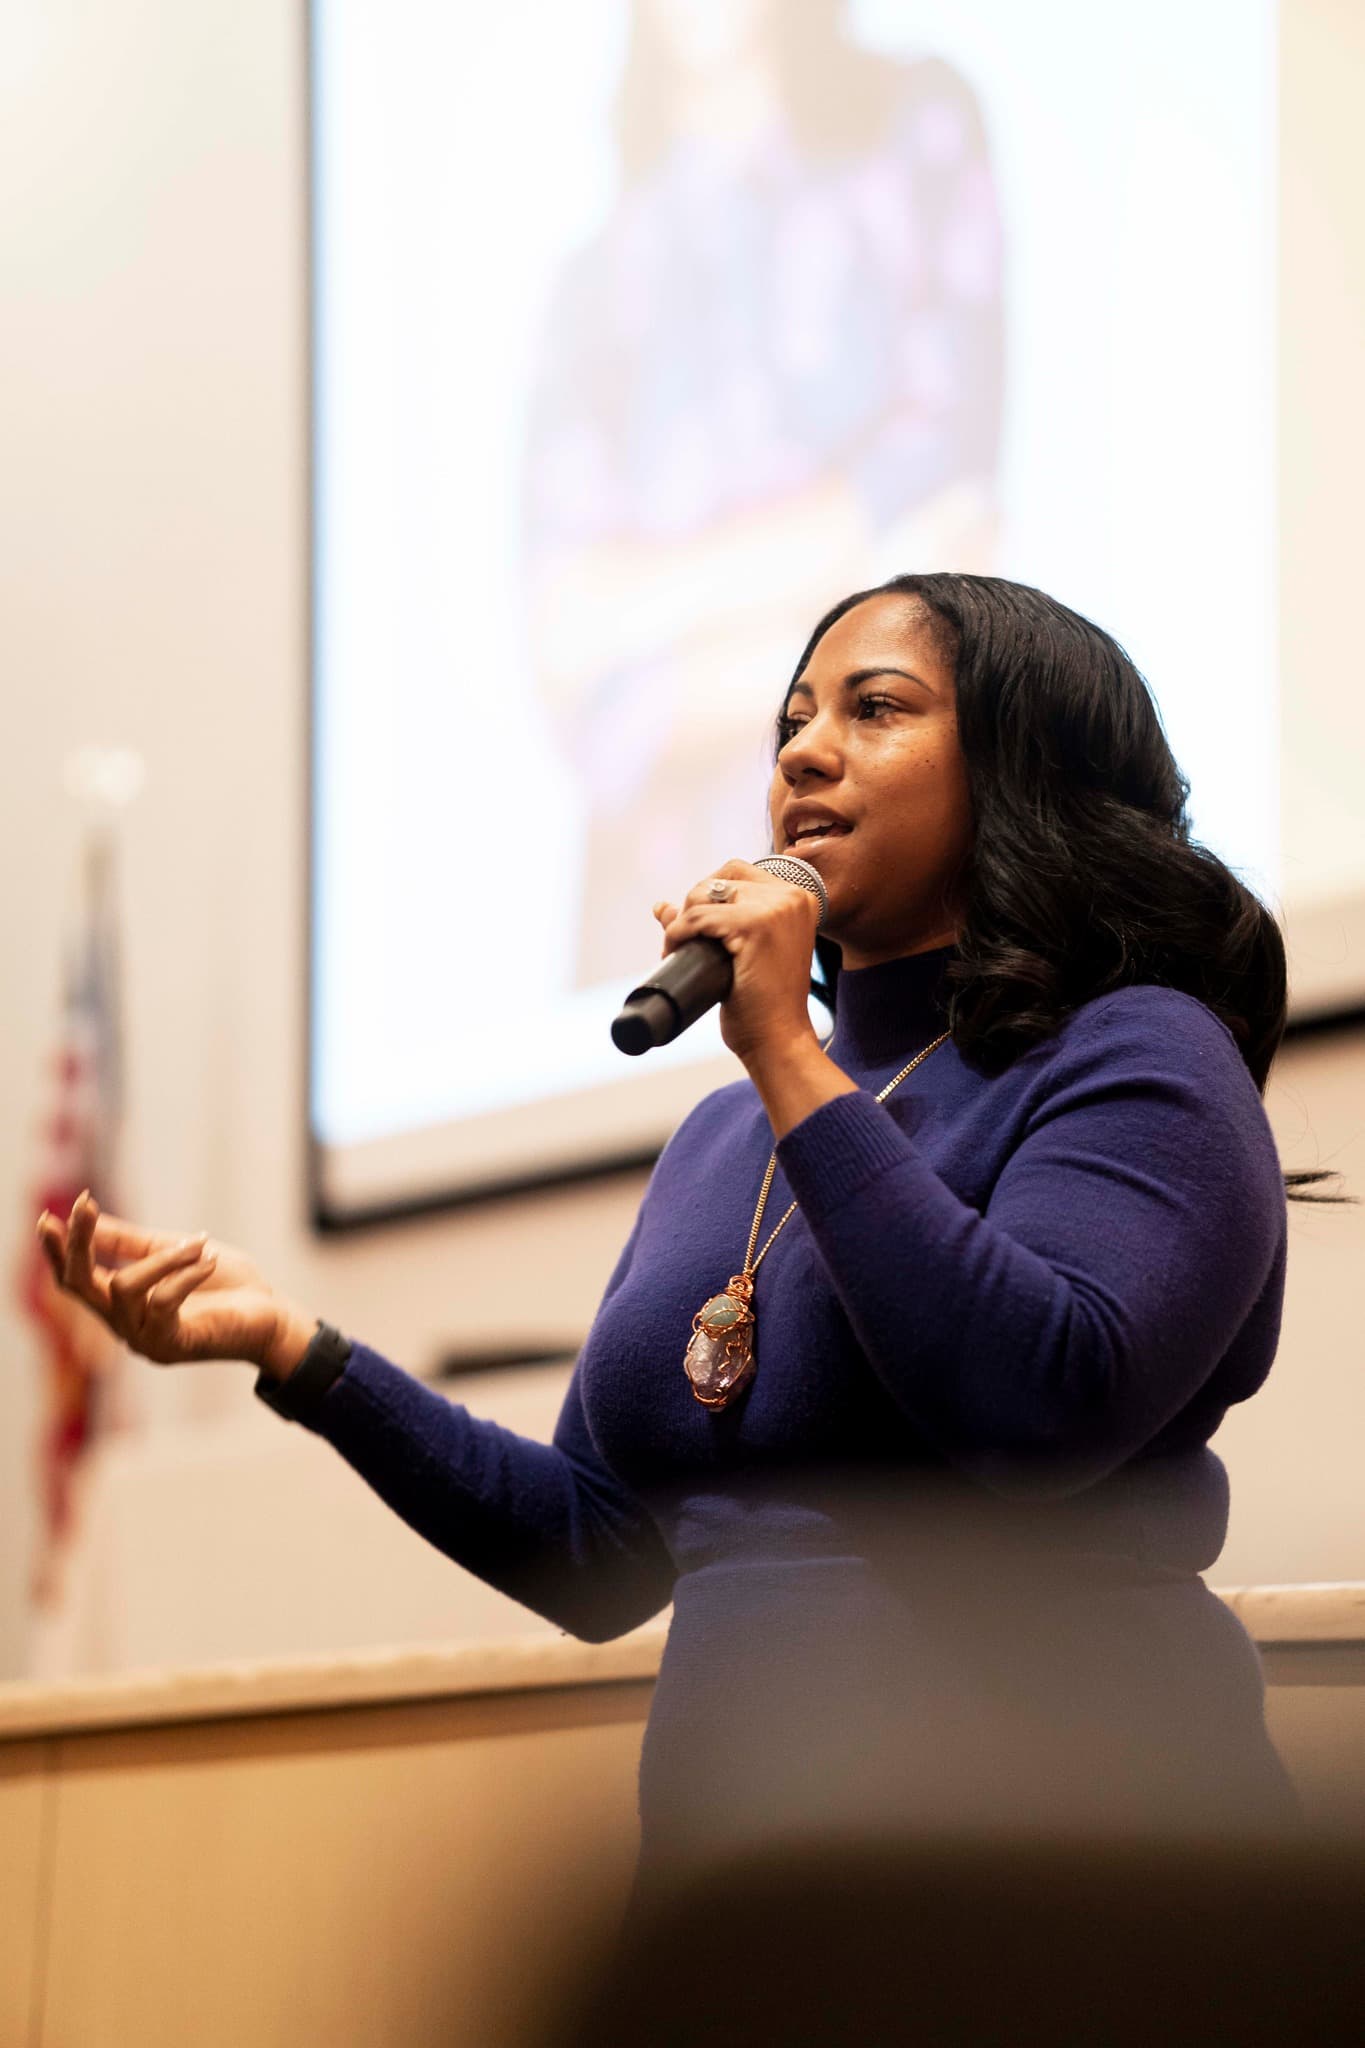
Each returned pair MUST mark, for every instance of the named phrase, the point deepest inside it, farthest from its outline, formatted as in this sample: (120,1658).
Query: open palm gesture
(171,1299)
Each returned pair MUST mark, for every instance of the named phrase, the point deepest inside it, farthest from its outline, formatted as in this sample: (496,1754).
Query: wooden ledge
(1272,1615)
(295,1684)
(1330,1612)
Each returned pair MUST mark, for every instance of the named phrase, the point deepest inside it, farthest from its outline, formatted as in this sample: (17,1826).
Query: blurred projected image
(644,330)
(773,372)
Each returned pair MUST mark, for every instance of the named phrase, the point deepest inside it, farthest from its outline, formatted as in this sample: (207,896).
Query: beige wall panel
(24,1787)
(1293,1450)
(415,1871)
(395,1876)
(1319,1729)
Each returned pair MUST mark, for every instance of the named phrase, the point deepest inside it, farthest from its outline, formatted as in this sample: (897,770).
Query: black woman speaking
(998,1255)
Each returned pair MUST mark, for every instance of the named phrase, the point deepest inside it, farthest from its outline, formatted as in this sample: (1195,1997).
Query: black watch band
(323,1362)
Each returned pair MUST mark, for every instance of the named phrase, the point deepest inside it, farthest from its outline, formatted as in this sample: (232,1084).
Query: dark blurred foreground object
(1090,1943)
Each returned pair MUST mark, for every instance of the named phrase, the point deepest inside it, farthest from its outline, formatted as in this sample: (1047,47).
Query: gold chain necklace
(720,1357)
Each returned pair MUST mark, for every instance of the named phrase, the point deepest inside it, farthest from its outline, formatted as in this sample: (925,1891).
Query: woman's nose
(811,750)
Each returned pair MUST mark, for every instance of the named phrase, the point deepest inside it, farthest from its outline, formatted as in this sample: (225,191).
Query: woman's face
(871,749)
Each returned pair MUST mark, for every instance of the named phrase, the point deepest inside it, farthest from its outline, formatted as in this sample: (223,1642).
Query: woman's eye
(868,706)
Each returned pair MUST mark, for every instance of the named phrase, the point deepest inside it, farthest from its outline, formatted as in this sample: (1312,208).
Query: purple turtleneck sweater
(1014,1307)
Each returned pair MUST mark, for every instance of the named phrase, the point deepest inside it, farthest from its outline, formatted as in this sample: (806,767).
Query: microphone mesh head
(790,869)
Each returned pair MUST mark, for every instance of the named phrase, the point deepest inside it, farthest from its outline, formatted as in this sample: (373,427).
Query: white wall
(1321,444)
(152,592)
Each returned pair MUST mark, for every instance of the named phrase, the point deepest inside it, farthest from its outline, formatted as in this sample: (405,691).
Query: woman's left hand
(768,927)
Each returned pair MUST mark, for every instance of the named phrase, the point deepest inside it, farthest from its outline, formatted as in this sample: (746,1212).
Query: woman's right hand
(172,1299)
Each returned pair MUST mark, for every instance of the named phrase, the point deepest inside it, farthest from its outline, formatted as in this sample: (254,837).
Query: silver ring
(720,889)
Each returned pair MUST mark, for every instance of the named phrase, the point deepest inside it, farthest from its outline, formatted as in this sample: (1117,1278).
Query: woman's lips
(815,842)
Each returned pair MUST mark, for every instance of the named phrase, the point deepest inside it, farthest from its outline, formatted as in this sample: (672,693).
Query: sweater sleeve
(548,1524)
(1041,1343)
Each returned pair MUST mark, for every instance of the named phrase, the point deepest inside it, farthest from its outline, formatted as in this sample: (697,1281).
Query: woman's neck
(850,956)
(734,108)
(887,1010)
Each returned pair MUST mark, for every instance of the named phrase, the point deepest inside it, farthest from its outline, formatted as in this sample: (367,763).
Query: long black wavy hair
(1081,875)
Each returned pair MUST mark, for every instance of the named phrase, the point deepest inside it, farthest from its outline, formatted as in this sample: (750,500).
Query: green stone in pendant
(721,1311)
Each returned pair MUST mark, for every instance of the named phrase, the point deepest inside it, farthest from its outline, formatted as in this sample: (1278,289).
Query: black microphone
(696,974)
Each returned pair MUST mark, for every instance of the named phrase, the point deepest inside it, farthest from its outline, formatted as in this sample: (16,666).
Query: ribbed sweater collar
(891,1011)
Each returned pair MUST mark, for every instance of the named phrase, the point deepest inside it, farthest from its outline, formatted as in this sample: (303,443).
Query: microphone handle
(682,988)
(695,975)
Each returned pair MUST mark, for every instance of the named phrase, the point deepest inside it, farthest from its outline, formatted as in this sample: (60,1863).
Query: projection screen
(643,332)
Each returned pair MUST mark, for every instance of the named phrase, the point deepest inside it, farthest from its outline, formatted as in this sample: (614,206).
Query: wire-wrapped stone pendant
(720,1357)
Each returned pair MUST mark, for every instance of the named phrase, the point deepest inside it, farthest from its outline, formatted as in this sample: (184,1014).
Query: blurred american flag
(77,1140)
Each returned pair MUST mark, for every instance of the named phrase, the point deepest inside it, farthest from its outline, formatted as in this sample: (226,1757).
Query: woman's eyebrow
(861,675)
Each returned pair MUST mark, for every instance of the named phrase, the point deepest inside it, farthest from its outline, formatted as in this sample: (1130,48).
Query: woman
(935,1559)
